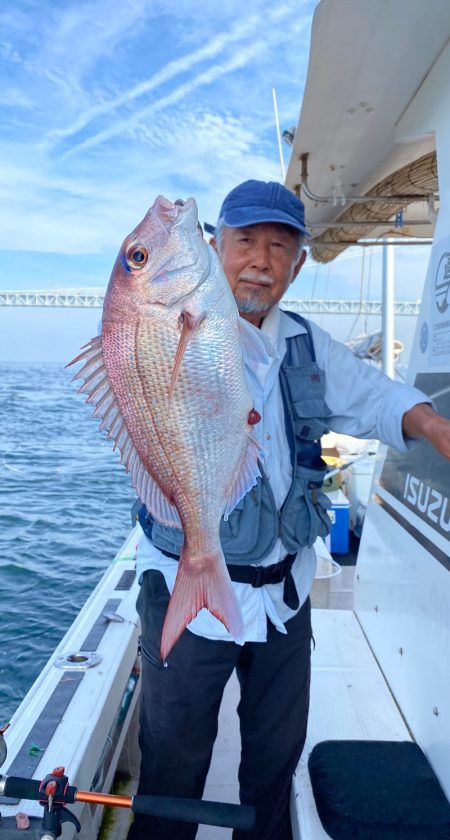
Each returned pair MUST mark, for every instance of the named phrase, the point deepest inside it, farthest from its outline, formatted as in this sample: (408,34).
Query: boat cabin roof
(367,61)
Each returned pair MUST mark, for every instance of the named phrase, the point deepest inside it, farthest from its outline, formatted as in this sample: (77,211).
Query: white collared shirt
(363,403)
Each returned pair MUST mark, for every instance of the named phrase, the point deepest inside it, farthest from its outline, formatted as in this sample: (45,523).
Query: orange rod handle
(103,798)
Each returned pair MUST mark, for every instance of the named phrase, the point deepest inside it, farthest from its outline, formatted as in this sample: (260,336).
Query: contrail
(174,68)
(205,78)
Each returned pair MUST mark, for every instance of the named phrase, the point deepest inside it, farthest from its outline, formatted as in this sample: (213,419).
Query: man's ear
(299,264)
(213,244)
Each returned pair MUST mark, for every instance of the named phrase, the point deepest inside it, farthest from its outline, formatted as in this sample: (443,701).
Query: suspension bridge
(93,299)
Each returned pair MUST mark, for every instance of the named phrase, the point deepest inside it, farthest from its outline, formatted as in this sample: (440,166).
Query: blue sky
(104,105)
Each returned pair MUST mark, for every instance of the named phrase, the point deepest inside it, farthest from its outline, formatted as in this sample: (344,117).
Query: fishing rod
(54,793)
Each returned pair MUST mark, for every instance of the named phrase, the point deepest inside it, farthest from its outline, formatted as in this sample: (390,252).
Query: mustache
(256,277)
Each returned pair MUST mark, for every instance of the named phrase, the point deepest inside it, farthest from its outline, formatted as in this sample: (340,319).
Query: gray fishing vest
(253,527)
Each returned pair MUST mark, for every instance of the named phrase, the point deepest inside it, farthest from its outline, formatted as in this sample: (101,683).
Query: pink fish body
(167,379)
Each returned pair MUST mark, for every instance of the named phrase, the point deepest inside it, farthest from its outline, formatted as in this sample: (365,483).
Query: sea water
(65,504)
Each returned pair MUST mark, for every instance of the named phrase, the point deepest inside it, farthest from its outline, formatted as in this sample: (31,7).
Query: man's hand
(421,421)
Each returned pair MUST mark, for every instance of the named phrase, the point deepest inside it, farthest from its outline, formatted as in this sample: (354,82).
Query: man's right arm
(363,401)
(421,421)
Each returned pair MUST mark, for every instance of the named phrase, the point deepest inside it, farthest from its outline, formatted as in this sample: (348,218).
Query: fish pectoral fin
(212,589)
(189,326)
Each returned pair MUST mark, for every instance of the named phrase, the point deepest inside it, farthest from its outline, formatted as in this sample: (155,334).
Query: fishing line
(361,296)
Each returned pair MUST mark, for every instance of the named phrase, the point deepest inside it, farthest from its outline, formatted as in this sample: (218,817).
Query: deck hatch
(126,580)
(46,724)
(99,628)
(42,732)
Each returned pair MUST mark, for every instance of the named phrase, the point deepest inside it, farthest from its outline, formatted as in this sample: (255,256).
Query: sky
(105,104)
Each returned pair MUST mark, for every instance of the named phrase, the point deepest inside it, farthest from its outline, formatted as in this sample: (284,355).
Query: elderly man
(308,385)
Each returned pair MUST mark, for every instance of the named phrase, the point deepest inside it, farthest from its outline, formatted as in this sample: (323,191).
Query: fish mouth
(180,202)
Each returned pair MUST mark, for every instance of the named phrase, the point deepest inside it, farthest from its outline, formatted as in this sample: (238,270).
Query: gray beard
(248,306)
(251,305)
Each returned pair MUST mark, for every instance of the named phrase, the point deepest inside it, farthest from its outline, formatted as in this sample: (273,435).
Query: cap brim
(241,217)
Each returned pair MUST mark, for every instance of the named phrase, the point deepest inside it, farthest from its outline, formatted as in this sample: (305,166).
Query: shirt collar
(270,326)
(277,326)
(289,327)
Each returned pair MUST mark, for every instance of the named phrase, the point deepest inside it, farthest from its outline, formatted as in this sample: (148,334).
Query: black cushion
(377,790)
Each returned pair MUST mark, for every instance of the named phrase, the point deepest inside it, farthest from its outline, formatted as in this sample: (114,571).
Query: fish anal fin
(189,325)
(157,503)
(246,476)
(211,588)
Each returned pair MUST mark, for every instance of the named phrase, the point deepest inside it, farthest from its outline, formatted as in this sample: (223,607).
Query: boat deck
(328,597)
(333,594)
(350,699)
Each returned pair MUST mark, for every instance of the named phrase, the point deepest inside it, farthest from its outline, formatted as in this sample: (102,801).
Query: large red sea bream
(167,379)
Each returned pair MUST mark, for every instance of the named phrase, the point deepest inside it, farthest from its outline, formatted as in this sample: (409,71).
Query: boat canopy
(354,173)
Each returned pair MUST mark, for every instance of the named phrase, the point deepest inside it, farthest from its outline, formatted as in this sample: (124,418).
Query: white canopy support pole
(277,125)
(388,309)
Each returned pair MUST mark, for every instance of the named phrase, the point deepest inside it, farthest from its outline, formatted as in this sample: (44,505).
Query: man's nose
(260,256)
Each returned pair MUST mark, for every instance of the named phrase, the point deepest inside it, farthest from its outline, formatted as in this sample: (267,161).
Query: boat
(78,712)
(372,137)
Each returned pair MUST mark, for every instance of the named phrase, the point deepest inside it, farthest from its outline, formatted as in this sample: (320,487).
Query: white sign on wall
(438,339)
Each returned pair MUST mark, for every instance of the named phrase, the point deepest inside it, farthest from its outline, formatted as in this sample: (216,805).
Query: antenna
(277,123)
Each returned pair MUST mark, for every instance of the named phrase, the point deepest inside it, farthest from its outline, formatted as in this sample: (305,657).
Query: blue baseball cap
(260,201)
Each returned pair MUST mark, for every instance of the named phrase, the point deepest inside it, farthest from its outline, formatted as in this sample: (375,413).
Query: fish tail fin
(211,588)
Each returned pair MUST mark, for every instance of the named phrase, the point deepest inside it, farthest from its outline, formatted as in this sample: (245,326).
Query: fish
(167,379)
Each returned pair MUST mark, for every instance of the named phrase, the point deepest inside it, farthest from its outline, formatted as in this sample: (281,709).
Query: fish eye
(137,256)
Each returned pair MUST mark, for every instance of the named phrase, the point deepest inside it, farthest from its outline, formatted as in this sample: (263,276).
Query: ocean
(65,504)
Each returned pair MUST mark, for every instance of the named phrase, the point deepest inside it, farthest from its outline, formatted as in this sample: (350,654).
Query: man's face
(260,261)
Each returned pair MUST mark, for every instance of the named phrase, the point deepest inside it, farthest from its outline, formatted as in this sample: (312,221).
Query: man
(309,383)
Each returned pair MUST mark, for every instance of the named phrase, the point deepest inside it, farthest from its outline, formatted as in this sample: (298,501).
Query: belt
(258,576)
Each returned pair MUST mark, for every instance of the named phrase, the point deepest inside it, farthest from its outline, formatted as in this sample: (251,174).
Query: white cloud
(193,119)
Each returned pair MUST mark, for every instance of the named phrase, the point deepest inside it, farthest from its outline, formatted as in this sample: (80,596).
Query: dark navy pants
(179,711)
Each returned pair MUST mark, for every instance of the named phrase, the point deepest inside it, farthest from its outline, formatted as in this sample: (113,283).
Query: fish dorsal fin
(100,393)
(246,477)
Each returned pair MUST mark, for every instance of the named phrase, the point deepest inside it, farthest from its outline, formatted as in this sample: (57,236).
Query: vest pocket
(239,533)
(251,530)
(306,388)
(304,514)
